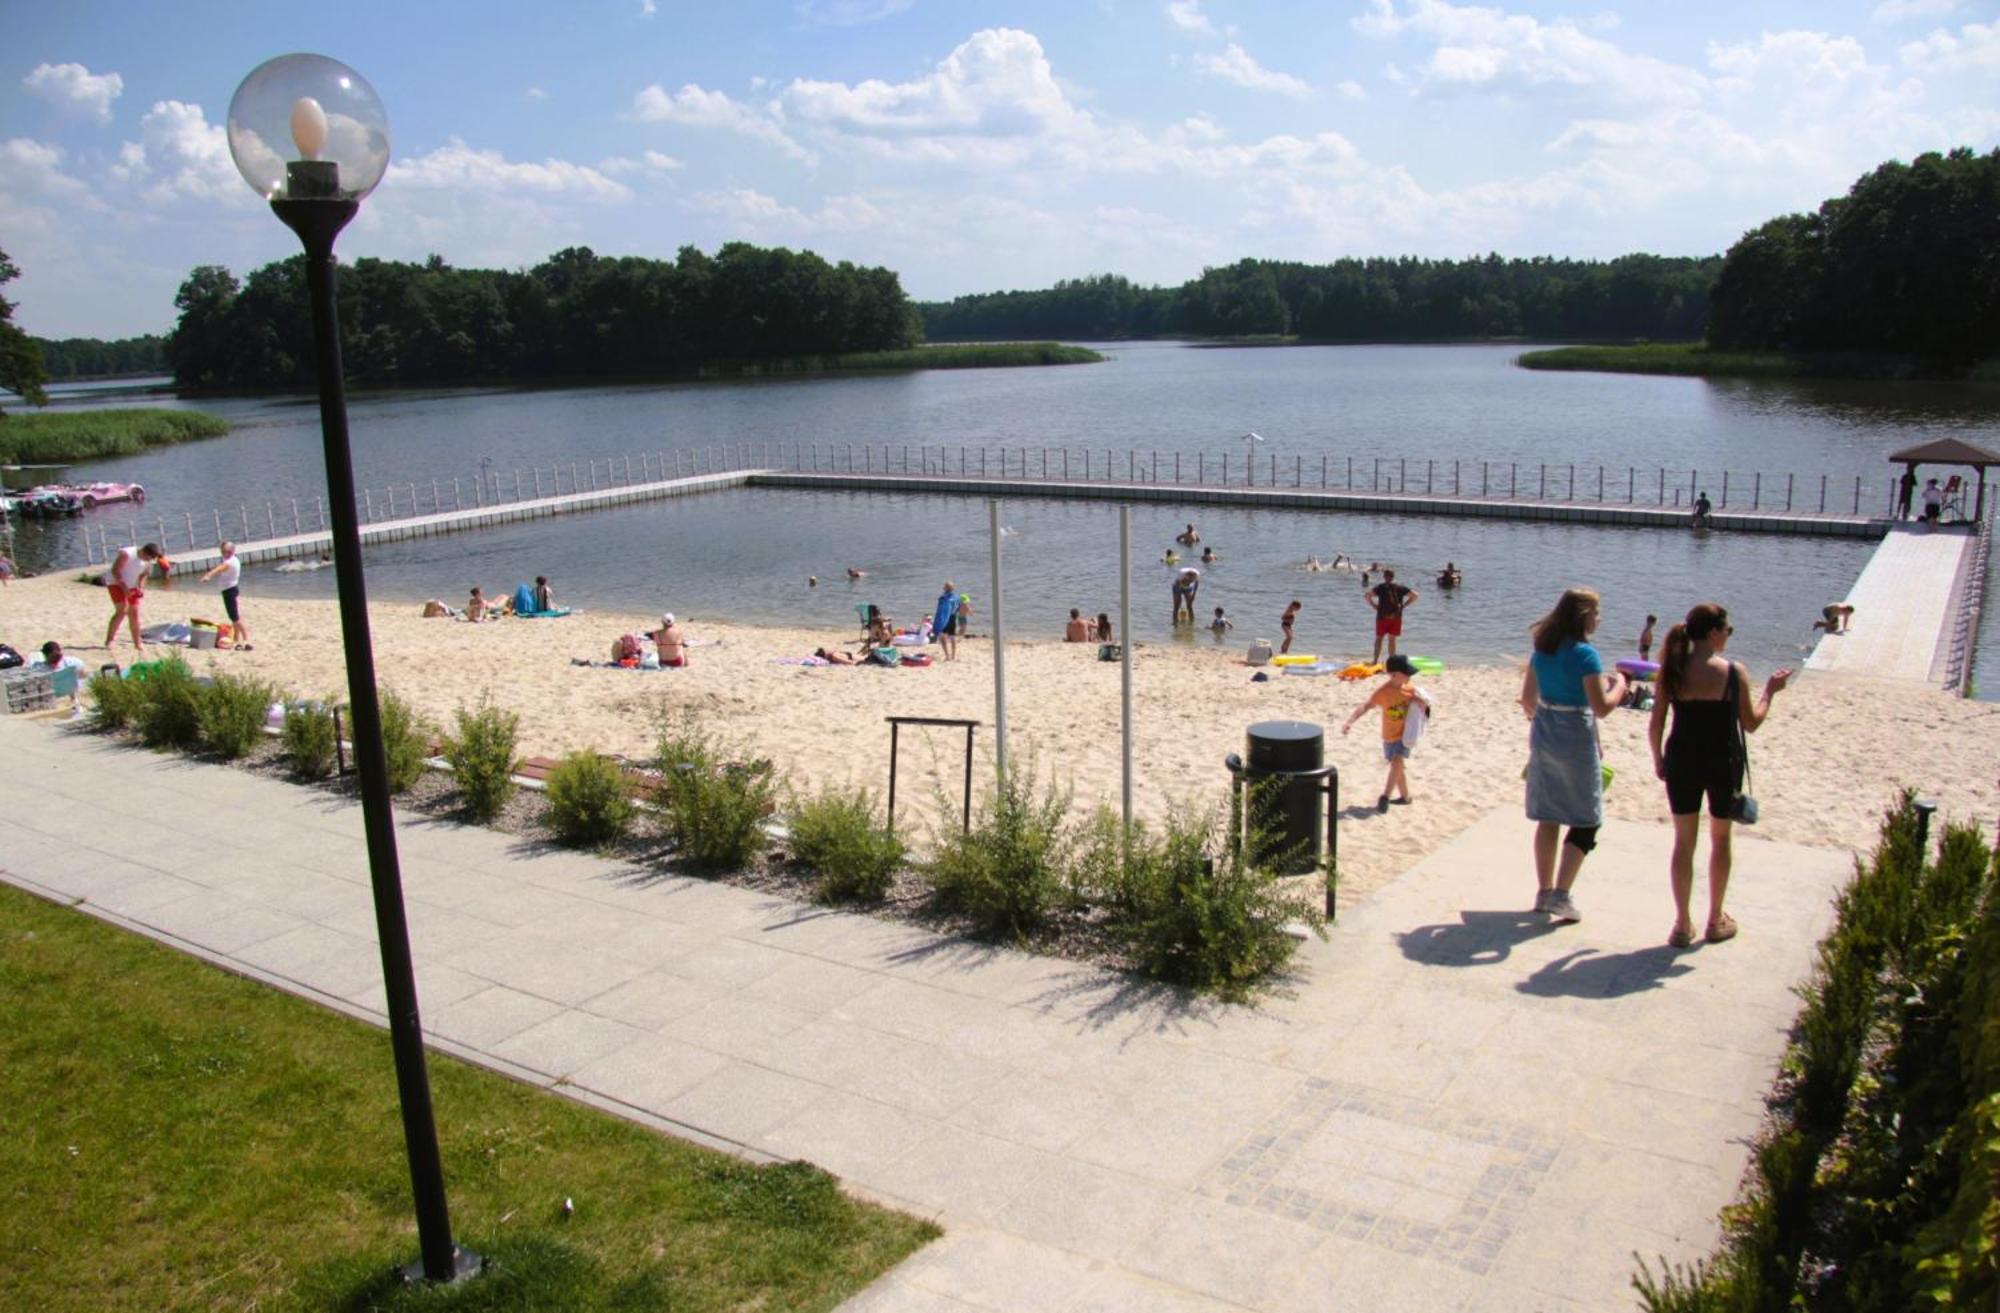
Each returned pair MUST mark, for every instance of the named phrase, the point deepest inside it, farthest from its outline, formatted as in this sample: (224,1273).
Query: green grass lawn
(76,435)
(175,1137)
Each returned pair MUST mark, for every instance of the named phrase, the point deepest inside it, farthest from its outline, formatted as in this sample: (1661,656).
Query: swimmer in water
(812,581)
(1313,564)
(853,573)
(1208,556)
(1170,557)
(1187,537)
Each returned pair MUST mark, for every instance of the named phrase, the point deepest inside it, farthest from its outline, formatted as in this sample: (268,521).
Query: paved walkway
(1453,1106)
(1902,607)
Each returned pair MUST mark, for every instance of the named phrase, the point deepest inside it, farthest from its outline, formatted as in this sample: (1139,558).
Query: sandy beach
(1824,766)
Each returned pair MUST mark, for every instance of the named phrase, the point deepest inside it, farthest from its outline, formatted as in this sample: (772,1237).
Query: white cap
(667,618)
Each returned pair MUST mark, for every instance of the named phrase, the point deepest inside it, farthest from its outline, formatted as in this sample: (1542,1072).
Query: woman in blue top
(1564,693)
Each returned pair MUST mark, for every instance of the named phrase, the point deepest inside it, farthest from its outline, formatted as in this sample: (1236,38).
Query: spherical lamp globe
(305,127)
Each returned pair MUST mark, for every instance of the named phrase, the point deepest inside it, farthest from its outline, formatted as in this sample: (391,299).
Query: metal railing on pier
(1651,487)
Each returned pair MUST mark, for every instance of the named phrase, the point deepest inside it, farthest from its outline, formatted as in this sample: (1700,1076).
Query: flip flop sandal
(1681,938)
(1720,929)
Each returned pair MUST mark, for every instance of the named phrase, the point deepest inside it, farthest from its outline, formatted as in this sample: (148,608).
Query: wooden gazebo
(1951,451)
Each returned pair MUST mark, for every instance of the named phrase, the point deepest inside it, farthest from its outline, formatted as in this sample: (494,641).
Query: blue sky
(974,146)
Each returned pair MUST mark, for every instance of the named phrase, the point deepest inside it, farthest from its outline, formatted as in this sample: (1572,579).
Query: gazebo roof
(1946,451)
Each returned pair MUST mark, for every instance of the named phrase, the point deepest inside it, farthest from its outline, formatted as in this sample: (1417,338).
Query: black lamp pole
(318,222)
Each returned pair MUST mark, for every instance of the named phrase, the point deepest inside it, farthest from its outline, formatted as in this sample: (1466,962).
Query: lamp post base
(465,1266)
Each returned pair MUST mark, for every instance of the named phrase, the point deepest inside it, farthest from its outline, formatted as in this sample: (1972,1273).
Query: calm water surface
(746,554)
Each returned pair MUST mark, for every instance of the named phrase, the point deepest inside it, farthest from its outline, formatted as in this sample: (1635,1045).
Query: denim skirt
(1564,783)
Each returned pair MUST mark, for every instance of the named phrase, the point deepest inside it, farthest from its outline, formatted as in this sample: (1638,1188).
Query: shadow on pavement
(1479,939)
(1587,973)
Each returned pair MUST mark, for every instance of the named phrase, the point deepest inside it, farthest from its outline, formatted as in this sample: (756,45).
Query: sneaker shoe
(1563,908)
(1542,897)
(1382,803)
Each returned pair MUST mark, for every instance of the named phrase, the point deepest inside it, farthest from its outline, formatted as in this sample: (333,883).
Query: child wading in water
(1395,696)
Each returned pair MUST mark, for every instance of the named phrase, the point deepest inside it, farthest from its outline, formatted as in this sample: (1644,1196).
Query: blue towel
(524,600)
(947,610)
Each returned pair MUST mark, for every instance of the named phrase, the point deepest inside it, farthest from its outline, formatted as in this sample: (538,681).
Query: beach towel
(524,605)
(1416,719)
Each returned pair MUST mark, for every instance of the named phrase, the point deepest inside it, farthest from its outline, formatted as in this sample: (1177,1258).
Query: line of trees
(574,315)
(1359,301)
(1906,264)
(71,358)
(21,368)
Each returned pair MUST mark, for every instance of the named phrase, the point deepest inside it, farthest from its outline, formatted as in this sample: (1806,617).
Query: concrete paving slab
(1417,1119)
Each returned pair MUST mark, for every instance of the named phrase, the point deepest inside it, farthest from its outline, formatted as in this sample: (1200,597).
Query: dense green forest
(574,315)
(1906,264)
(71,358)
(1358,300)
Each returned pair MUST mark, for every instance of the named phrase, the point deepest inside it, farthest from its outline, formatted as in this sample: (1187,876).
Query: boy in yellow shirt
(1394,695)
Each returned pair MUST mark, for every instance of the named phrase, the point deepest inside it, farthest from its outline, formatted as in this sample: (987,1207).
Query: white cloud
(647,8)
(1200,127)
(1351,90)
(649,161)
(850,13)
(1237,65)
(1895,11)
(34,169)
(75,88)
(698,107)
(1976,49)
(457,167)
(1187,16)
(996,83)
(1481,49)
(536,93)
(180,155)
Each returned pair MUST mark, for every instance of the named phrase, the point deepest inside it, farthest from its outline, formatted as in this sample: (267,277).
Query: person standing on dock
(1906,488)
(126,582)
(230,570)
(1389,599)
(1933,502)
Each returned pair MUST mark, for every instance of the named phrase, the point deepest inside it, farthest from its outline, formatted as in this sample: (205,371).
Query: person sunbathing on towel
(833,658)
(671,642)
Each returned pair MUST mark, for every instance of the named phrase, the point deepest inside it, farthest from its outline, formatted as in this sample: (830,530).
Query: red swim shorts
(1388,626)
(123,596)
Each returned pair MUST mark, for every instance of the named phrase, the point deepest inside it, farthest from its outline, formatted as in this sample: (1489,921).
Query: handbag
(1743,807)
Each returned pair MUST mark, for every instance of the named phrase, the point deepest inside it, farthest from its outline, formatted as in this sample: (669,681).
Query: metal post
(1349,485)
(1631,483)
(1725,489)
(1857,494)
(1788,490)
(1274,470)
(999,646)
(1402,474)
(190,532)
(1543,495)
(1600,485)
(1663,485)
(1822,494)
(1297,465)
(1322,470)
(364,492)
(1375,483)
(1430,477)
(1125,655)
(1757,491)
(317,222)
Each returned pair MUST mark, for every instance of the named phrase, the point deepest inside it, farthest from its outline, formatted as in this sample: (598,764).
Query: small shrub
(482,758)
(232,709)
(589,800)
(406,737)
(714,808)
(309,739)
(1211,922)
(837,835)
(1010,869)
(114,702)
(168,705)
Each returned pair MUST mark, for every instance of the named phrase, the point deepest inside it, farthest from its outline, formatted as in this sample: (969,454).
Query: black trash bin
(1288,801)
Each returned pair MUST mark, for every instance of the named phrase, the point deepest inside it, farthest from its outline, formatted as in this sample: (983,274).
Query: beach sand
(1824,767)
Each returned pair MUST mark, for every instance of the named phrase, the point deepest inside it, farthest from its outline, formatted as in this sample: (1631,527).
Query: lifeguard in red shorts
(126,581)
(1389,599)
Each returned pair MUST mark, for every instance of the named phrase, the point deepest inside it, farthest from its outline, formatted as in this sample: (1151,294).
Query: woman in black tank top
(1702,756)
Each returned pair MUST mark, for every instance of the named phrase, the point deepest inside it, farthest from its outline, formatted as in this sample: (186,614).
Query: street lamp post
(341,134)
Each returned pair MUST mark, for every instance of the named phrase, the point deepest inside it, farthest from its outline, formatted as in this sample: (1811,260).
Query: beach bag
(9,658)
(1260,652)
(886,656)
(625,648)
(1743,807)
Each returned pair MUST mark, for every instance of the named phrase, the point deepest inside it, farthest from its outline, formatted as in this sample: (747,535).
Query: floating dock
(1906,606)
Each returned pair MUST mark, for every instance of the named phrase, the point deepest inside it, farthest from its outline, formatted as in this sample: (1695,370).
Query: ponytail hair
(1703,619)
(1569,620)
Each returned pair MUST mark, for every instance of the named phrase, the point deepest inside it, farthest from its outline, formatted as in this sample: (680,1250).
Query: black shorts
(229,605)
(1687,781)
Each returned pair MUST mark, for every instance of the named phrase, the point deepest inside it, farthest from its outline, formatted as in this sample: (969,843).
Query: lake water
(746,554)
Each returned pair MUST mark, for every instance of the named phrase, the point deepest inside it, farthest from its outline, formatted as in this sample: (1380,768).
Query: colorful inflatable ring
(1638,669)
(1316,668)
(1427,665)
(1294,659)
(1361,670)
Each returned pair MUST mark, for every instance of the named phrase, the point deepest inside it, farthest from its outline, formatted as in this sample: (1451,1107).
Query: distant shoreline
(1695,359)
